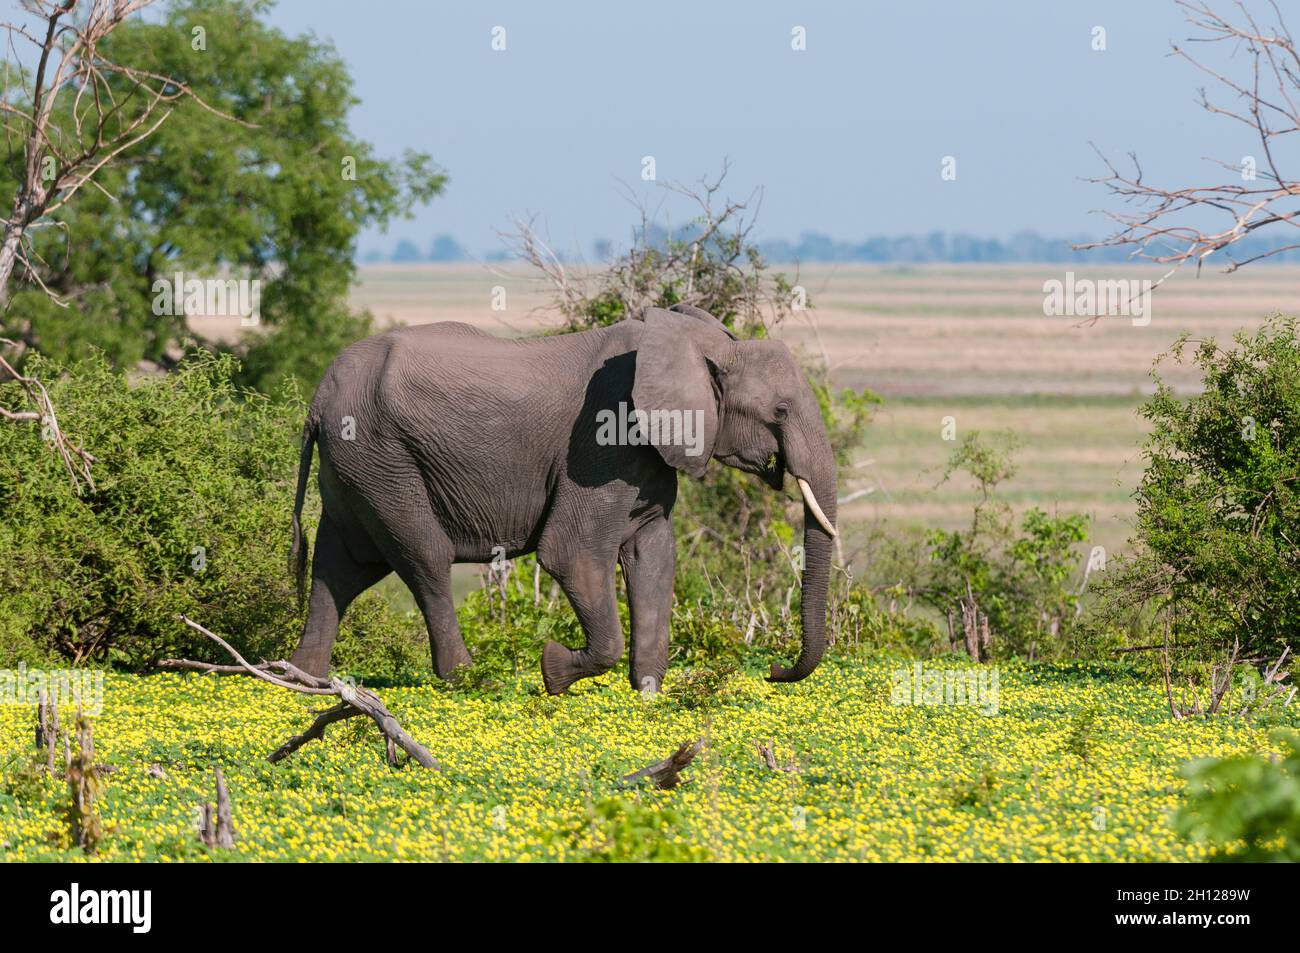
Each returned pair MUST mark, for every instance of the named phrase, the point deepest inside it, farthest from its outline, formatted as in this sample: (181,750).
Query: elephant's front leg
(648,562)
(589,584)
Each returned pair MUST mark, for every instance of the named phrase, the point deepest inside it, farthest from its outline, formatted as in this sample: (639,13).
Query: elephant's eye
(782,411)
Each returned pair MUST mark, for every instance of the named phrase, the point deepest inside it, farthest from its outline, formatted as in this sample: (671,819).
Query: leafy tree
(278,195)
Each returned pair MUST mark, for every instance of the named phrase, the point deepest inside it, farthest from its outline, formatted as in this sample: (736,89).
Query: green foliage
(190,513)
(859,622)
(263,197)
(1247,807)
(1019,576)
(703,632)
(1081,739)
(702,687)
(24,777)
(979,790)
(1219,502)
(505,632)
(621,830)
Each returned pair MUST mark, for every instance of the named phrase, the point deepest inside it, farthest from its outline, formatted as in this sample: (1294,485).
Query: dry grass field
(966,341)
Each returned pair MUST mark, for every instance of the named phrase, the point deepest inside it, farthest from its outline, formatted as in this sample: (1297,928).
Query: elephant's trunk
(818,534)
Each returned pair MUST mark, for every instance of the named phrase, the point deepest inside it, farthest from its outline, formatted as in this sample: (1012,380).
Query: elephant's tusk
(811,500)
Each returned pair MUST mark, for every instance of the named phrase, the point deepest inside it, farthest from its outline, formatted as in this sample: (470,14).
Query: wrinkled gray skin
(464,442)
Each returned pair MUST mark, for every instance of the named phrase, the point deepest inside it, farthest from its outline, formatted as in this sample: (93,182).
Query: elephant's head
(758,414)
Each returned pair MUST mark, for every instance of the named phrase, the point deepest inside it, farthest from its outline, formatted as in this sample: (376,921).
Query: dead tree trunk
(975,627)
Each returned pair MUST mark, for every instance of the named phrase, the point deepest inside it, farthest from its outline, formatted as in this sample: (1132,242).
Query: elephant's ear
(701,315)
(676,392)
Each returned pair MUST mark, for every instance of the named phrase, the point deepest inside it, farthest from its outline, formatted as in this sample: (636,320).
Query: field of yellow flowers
(1078,763)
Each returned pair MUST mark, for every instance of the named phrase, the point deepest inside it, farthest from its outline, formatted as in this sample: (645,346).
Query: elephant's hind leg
(337,578)
(421,553)
(431,587)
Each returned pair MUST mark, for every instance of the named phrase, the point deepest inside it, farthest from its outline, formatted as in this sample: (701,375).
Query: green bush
(189,514)
(1019,577)
(505,632)
(1247,807)
(857,621)
(1218,524)
(629,830)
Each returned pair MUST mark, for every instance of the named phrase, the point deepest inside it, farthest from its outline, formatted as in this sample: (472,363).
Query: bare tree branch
(1167,225)
(664,774)
(76,460)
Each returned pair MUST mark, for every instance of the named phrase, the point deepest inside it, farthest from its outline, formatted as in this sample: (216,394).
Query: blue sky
(846,137)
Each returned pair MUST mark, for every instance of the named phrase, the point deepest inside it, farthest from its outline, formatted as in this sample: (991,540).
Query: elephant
(441,444)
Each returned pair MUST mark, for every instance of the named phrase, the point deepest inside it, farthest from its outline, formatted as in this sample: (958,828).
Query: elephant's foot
(647,682)
(558,670)
(561,666)
(450,661)
(312,661)
(648,665)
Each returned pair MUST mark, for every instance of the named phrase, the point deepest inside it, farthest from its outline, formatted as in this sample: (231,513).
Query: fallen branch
(768,754)
(355,700)
(664,774)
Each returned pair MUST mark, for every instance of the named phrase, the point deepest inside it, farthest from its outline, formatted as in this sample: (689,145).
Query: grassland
(527,777)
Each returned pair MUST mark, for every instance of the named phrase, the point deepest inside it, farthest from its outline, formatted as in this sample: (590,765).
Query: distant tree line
(935,247)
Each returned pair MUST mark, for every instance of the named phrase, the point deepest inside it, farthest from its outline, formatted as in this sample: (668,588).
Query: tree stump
(85,786)
(47,730)
(217,829)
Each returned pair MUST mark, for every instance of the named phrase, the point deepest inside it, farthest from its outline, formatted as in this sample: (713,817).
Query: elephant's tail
(298,550)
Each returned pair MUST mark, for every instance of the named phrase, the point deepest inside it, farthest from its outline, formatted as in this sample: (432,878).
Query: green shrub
(623,830)
(857,621)
(1019,577)
(1218,506)
(189,514)
(1248,807)
(702,687)
(505,632)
